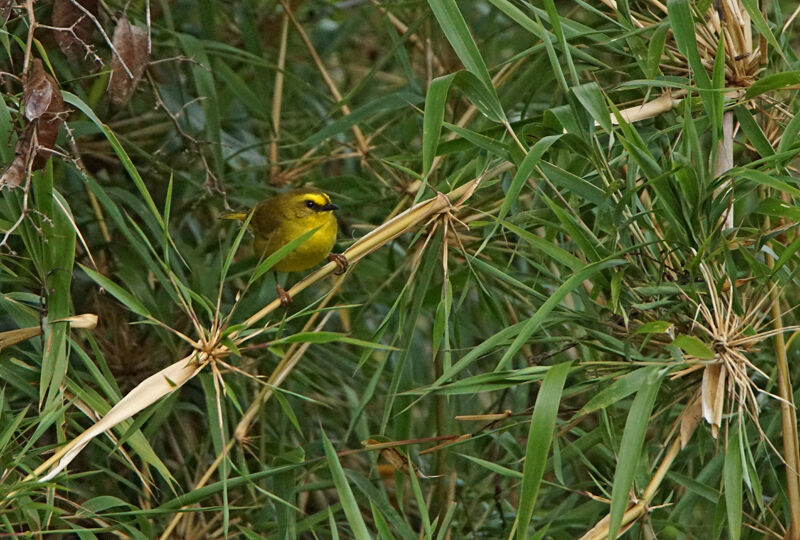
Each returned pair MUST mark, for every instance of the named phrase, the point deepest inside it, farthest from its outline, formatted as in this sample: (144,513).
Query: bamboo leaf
(540,437)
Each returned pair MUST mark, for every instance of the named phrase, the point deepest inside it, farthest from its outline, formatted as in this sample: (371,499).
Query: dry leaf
(72,26)
(14,174)
(395,459)
(713,393)
(43,97)
(45,111)
(39,90)
(130,43)
(148,392)
(12,337)
(86,320)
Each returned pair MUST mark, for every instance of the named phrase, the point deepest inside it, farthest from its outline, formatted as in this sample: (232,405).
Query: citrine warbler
(280,219)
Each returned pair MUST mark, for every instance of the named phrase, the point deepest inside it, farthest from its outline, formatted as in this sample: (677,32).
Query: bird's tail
(241,216)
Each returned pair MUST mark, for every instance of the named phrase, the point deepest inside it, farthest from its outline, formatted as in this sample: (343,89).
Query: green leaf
(554,300)
(682,23)
(349,504)
(619,389)
(524,171)
(630,449)
(654,327)
(693,346)
(753,131)
(764,179)
(655,49)
(561,255)
(371,111)
(772,82)
(127,299)
(330,337)
(455,29)
(435,101)
(574,184)
(733,483)
(591,97)
(540,437)
(120,152)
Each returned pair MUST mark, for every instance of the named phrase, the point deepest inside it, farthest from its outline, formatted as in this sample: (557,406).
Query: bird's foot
(283,295)
(341,262)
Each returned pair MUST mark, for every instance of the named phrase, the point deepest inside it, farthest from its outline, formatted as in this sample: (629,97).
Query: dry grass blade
(12,337)
(148,392)
(8,338)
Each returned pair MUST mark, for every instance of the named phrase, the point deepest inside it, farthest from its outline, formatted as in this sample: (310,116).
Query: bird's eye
(310,204)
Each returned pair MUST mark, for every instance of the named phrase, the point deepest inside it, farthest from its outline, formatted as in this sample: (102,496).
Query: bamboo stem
(791,453)
(277,100)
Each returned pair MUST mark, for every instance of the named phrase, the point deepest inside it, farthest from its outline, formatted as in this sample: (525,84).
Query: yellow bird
(282,218)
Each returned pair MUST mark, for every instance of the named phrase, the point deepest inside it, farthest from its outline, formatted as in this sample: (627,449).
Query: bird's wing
(266,218)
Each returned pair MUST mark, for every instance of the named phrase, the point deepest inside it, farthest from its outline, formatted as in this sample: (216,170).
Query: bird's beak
(330,207)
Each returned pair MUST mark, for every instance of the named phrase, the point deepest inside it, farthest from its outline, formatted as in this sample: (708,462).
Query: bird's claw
(283,295)
(341,262)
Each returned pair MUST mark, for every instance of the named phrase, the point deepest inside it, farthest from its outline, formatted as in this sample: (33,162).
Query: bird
(282,218)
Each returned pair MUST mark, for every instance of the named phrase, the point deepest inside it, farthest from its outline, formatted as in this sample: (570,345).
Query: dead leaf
(45,111)
(43,97)
(14,174)
(12,337)
(145,394)
(396,460)
(129,63)
(713,393)
(73,28)
(85,320)
(39,90)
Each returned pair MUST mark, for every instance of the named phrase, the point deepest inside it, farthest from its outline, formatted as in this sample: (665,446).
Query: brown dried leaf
(713,393)
(74,26)
(85,320)
(130,43)
(39,90)
(14,174)
(12,337)
(42,85)
(45,110)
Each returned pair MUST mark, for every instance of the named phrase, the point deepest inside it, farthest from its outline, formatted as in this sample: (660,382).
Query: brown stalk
(277,100)
(791,453)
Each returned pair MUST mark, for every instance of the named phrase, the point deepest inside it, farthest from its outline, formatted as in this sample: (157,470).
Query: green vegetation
(573,270)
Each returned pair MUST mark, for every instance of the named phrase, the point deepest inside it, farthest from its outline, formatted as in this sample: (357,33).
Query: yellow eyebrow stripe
(319,198)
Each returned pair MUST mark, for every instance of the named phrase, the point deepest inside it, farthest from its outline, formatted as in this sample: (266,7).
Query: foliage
(569,309)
